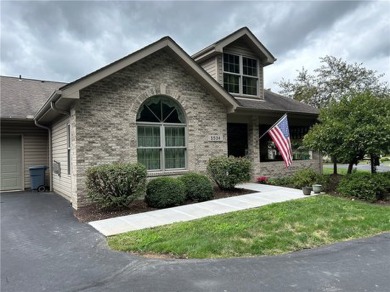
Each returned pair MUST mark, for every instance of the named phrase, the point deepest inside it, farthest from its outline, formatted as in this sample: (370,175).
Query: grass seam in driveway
(269,230)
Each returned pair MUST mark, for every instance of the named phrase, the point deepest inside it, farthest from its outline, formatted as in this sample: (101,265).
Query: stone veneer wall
(105,116)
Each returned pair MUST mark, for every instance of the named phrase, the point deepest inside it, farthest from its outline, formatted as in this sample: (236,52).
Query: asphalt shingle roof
(24,97)
(276,102)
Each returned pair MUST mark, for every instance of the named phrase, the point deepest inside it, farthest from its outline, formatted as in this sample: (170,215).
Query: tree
(355,126)
(332,80)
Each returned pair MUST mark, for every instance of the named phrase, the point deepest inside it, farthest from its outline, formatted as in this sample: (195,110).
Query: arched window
(161,133)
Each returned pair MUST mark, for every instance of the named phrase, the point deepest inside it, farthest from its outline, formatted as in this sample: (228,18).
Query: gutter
(50,104)
(53,98)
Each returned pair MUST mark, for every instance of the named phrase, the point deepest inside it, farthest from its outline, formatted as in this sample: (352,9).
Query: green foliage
(364,186)
(305,177)
(115,185)
(284,181)
(356,126)
(332,80)
(229,171)
(198,187)
(384,159)
(165,192)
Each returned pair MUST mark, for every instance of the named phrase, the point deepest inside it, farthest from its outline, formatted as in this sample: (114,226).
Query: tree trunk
(334,165)
(350,167)
(373,163)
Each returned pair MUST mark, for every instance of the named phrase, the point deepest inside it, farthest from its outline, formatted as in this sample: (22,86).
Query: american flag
(281,137)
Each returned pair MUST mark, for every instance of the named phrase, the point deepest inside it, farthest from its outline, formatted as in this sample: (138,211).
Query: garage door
(11,163)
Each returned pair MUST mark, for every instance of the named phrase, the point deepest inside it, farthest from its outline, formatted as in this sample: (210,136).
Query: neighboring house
(172,113)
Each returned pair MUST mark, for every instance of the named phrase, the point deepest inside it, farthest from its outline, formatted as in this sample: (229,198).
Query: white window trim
(162,146)
(241,74)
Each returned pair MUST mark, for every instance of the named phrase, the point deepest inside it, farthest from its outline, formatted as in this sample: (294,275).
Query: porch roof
(276,102)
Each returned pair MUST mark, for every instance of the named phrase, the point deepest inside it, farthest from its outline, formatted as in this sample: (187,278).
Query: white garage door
(11,163)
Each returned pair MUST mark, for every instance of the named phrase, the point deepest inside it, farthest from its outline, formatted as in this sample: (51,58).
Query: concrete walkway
(265,195)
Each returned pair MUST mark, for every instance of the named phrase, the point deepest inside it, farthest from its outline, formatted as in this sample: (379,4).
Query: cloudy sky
(64,40)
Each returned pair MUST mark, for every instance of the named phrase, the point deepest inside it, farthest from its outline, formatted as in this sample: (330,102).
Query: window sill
(167,173)
(246,96)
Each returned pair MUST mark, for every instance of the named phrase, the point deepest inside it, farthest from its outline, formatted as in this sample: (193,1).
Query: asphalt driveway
(44,248)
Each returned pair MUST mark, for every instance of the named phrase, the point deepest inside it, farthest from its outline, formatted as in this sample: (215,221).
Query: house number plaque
(215,138)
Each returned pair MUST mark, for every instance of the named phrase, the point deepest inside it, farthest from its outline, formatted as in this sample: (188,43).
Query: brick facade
(104,118)
(278,169)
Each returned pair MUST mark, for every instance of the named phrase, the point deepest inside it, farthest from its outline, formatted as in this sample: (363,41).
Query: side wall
(105,116)
(61,181)
(35,146)
(210,66)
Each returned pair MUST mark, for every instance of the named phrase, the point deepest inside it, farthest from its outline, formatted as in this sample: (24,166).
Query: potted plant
(317,188)
(307,190)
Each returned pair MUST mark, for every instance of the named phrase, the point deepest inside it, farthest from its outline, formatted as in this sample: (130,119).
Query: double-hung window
(240,74)
(161,132)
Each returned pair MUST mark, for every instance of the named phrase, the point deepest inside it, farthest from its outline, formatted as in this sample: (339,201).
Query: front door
(237,139)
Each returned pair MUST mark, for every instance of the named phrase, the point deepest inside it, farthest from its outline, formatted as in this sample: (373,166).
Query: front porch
(244,131)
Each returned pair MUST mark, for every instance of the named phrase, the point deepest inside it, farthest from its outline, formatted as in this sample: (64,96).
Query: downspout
(50,155)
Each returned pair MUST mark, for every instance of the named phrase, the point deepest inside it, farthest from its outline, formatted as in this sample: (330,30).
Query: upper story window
(240,74)
(161,134)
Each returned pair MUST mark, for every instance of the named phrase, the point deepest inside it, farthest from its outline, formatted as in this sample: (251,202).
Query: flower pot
(317,188)
(306,190)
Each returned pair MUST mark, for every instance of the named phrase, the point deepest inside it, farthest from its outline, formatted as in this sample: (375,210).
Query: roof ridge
(31,79)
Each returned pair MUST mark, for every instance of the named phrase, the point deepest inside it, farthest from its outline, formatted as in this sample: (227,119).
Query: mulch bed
(93,212)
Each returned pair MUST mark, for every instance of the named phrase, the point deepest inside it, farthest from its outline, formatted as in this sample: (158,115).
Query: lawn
(269,230)
(342,171)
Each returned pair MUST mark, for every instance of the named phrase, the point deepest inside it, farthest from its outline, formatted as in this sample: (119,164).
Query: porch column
(253,145)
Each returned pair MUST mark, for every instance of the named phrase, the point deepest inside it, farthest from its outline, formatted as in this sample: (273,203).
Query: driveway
(44,248)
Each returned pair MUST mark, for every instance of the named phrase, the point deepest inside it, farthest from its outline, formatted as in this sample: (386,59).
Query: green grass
(342,171)
(269,230)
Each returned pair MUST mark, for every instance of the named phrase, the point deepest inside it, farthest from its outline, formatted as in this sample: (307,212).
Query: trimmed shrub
(198,187)
(229,171)
(115,185)
(284,181)
(364,186)
(305,177)
(165,192)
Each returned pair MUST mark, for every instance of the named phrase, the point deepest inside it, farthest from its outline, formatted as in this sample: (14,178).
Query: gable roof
(21,98)
(243,33)
(276,103)
(70,92)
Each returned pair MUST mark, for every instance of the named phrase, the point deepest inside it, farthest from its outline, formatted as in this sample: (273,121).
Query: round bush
(165,192)
(115,185)
(305,178)
(364,186)
(198,187)
(229,171)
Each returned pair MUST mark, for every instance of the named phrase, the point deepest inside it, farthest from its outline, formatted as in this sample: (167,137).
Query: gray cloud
(64,40)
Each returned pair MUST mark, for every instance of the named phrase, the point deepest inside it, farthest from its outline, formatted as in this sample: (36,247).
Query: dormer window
(240,74)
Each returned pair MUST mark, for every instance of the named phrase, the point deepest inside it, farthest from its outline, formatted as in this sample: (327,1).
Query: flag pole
(273,126)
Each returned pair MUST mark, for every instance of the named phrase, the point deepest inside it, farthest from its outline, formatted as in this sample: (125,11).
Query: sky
(65,40)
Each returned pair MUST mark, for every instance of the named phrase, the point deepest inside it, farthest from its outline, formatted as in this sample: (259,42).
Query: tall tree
(332,80)
(355,126)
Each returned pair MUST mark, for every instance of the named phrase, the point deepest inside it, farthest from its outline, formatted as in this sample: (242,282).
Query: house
(165,109)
